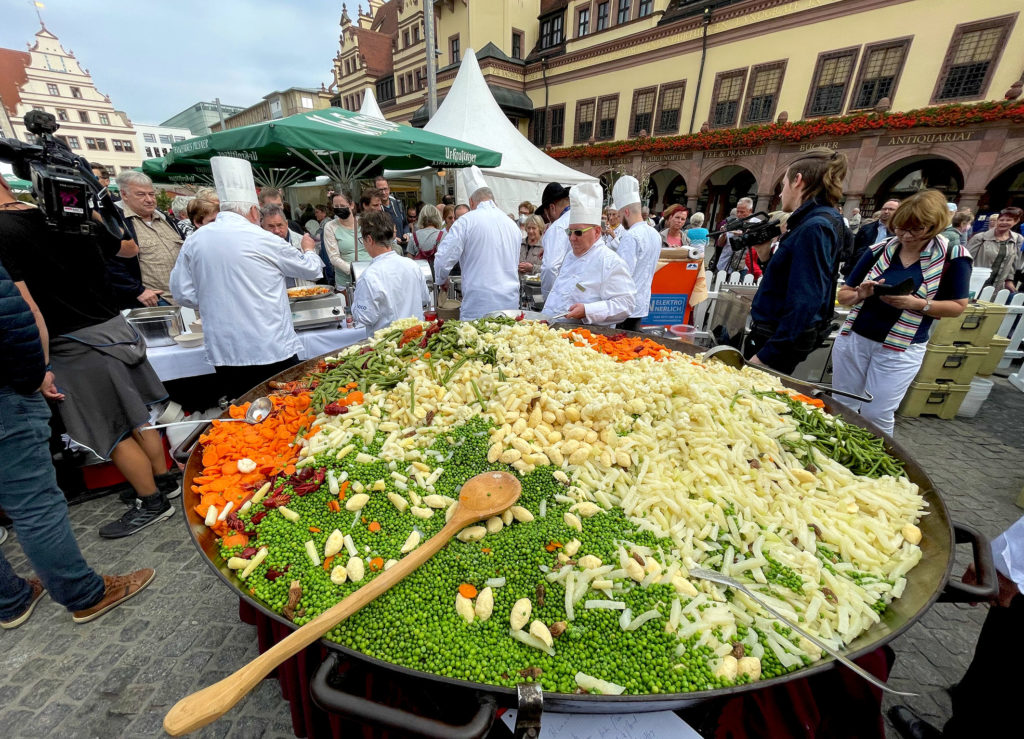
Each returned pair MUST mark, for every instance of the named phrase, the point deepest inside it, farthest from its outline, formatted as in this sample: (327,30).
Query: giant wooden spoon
(483,496)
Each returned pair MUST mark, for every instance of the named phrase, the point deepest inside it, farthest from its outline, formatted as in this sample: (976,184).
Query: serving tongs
(732,357)
(730,582)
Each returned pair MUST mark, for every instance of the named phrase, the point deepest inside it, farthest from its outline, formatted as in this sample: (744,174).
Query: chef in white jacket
(392,287)
(593,285)
(554,206)
(486,242)
(639,247)
(235,272)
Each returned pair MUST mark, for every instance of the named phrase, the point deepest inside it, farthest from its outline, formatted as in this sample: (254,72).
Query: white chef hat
(472,180)
(233,178)
(951,207)
(585,204)
(626,192)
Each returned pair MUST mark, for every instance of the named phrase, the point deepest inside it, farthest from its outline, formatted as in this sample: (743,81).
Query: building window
(421,79)
(95,144)
(117,144)
(879,70)
(76,92)
(763,92)
(104,119)
(538,127)
(517,44)
(607,110)
(670,105)
(583,21)
(623,16)
(643,111)
(453,49)
(725,100)
(386,89)
(602,15)
(971,59)
(83,116)
(128,146)
(52,89)
(101,144)
(73,142)
(149,137)
(645,8)
(149,153)
(62,114)
(405,39)
(416,33)
(584,121)
(165,139)
(179,138)
(551,31)
(831,78)
(307,102)
(401,85)
(556,123)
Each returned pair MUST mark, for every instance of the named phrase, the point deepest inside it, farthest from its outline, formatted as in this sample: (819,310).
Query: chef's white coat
(599,279)
(556,246)
(392,287)
(486,242)
(615,240)
(640,248)
(235,272)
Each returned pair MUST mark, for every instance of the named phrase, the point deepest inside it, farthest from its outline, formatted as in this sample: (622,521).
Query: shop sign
(667,309)
(911,139)
(730,153)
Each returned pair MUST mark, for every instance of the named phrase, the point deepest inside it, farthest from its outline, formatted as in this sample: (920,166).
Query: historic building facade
(278,104)
(49,78)
(708,101)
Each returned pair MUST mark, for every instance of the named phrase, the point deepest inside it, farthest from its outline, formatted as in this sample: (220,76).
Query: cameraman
(98,361)
(795,302)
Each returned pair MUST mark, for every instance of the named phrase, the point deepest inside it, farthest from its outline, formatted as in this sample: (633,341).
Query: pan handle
(987,586)
(335,700)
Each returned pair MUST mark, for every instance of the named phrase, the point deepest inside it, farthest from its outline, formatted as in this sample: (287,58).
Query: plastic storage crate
(940,399)
(958,363)
(975,326)
(996,350)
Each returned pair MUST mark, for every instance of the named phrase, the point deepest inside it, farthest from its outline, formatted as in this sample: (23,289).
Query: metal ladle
(718,577)
(732,357)
(259,409)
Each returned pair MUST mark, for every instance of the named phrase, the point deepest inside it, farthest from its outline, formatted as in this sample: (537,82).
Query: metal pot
(159,325)
(926,584)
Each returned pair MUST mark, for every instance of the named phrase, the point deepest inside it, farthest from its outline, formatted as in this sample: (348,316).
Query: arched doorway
(666,186)
(913,174)
(1006,190)
(722,189)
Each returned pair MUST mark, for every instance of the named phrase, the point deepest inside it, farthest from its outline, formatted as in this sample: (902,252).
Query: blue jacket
(22,366)
(792,295)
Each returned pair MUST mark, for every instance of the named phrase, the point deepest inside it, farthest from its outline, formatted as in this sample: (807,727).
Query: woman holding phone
(896,289)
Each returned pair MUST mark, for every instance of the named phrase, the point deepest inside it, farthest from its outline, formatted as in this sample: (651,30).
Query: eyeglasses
(577,232)
(919,231)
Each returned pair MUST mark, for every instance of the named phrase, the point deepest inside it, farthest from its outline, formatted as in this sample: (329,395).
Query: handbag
(428,254)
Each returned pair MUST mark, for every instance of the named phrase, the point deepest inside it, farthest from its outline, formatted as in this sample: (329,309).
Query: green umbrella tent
(333,142)
(17,184)
(182,173)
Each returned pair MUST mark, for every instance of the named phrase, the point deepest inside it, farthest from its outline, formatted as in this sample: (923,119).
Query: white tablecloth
(176,362)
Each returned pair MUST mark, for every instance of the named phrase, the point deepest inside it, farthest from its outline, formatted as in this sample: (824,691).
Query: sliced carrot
(334,506)
(467,591)
(377,563)
(342,488)
(235,540)
(327,563)
(374,527)
(354,397)
(553,545)
(314,529)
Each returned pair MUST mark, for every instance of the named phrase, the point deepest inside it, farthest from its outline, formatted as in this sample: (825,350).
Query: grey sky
(156,58)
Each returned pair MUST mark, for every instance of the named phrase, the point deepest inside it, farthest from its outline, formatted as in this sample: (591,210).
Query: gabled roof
(13,77)
(490,51)
(386,19)
(376,48)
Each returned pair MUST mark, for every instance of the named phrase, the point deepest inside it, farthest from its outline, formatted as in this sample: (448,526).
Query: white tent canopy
(470,113)
(369,106)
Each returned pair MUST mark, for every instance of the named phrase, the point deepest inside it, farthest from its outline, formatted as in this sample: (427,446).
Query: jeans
(30,496)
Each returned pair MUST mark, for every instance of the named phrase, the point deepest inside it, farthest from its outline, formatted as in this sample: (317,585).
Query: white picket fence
(1012,328)
(704,312)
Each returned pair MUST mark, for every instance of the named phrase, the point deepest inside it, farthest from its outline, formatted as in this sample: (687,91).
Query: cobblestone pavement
(118,675)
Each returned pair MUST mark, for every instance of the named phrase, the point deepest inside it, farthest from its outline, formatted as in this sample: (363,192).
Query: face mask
(343,213)
(521,219)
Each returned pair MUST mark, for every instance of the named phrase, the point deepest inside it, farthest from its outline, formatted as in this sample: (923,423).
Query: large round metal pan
(926,583)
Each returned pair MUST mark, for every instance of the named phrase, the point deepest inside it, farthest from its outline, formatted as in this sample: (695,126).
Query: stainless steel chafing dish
(315,312)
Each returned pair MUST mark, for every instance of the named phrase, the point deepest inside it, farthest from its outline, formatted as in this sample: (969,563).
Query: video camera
(752,232)
(68,193)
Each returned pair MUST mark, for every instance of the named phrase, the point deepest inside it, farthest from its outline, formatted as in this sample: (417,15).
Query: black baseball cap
(553,192)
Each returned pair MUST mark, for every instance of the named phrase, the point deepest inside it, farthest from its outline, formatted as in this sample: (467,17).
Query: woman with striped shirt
(882,343)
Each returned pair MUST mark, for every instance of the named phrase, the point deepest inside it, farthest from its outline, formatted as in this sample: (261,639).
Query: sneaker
(38,591)
(146,511)
(169,484)
(119,588)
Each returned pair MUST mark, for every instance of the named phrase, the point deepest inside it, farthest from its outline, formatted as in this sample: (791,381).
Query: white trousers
(861,365)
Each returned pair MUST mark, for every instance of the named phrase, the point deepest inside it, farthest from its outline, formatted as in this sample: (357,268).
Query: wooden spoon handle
(202,707)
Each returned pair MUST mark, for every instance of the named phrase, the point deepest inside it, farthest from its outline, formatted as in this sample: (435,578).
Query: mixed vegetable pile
(636,464)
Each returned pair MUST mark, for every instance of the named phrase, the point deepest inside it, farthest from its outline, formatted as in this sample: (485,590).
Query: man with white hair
(486,243)
(158,239)
(235,272)
(274,219)
(728,260)
(593,284)
(639,247)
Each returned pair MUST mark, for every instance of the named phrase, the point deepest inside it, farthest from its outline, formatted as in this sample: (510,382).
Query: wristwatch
(927,305)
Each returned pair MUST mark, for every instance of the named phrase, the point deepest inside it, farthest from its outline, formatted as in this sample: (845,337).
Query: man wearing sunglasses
(593,284)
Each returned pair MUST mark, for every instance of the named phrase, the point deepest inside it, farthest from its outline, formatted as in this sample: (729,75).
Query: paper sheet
(657,725)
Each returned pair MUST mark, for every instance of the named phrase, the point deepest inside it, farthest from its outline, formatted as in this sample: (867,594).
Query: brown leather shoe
(119,588)
(38,591)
